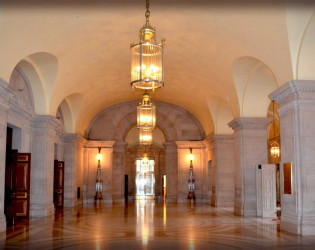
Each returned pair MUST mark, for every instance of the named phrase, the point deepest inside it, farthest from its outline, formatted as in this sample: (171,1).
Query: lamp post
(99,181)
(191,181)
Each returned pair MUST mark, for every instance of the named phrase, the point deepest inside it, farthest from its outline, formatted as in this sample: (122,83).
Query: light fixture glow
(274,147)
(99,157)
(145,136)
(147,58)
(146,113)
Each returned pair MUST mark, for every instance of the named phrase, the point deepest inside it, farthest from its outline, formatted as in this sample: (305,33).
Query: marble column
(5,95)
(171,172)
(118,179)
(199,169)
(45,128)
(73,157)
(223,184)
(297,130)
(250,149)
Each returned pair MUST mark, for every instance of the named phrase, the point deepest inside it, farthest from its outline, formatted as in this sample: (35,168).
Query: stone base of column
(72,202)
(3,223)
(41,210)
(218,202)
(246,209)
(238,209)
(301,226)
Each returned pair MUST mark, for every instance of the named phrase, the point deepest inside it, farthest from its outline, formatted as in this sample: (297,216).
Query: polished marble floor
(150,225)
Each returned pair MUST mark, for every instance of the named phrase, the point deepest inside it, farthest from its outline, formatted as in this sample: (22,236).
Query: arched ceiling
(91,43)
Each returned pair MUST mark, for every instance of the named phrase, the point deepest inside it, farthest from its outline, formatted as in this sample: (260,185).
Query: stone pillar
(199,169)
(250,149)
(44,130)
(5,95)
(223,184)
(297,119)
(171,172)
(73,157)
(118,179)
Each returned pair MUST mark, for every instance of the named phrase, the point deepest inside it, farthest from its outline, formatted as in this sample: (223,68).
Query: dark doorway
(126,188)
(17,183)
(58,183)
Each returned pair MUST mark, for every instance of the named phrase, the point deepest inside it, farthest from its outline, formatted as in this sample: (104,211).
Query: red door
(58,183)
(22,186)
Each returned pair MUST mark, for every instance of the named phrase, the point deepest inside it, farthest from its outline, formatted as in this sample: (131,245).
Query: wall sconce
(99,181)
(191,181)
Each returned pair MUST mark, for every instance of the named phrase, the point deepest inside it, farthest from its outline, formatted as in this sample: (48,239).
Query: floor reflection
(150,225)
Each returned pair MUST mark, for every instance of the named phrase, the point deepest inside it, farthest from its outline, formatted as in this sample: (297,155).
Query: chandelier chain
(147,13)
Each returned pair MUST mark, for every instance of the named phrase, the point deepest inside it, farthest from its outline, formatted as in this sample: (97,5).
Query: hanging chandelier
(274,147)
(145,136)
(147,58)
(146,113)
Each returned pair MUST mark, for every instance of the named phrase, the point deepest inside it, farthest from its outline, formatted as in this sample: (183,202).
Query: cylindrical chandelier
(145,136)
(147,59)
(146,113)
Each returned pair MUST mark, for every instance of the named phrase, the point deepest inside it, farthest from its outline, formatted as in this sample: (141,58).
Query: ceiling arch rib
(254,81)
(41,70)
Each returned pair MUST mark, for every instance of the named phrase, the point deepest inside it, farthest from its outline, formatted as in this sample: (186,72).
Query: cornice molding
(70,138)
(190,144)
(294,90)
(250,123)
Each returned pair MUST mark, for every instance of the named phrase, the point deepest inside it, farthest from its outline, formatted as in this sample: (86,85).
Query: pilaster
(73,157)
(45,128)
(171,172)
(118,172)
(297,119)
(223,183)
(5,96)
(250,149)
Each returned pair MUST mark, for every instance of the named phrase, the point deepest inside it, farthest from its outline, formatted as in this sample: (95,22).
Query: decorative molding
(71,138)
(96,144)
(190,144)
(296,90)
(250,123)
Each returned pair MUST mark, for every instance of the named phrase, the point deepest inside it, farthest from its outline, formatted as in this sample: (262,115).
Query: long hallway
(150,225)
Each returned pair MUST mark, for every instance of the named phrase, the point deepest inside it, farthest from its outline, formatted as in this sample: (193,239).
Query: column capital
(71,138)
(294,90)
(221,137)
(47,122)
(250,123)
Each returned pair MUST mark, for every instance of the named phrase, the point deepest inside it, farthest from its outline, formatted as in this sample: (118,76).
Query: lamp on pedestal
(191,181)
(99,181)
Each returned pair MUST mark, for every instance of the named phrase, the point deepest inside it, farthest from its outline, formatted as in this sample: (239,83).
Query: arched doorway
(144,181)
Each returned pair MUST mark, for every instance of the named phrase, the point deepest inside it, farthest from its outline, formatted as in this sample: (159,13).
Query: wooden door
(58,183)
(21,193)
(17,186)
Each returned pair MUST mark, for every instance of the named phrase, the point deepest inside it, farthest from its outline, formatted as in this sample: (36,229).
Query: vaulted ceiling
(88,66)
